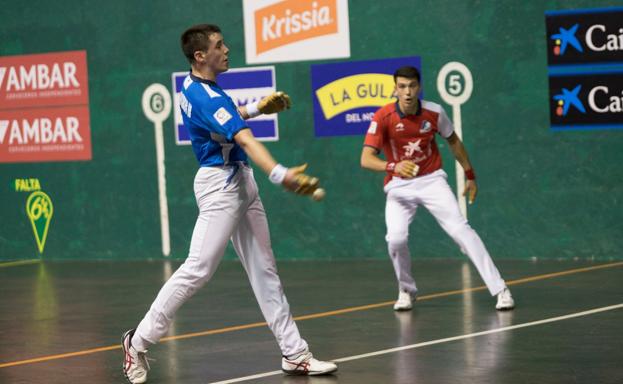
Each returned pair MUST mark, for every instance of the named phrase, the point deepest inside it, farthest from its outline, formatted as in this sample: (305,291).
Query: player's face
(216,57)
(407,91)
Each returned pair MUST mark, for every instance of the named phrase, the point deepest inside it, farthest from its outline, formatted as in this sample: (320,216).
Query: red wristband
(390,167)
(470,175)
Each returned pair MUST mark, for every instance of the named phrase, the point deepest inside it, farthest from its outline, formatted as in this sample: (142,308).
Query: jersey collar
(417,113)
(200,80)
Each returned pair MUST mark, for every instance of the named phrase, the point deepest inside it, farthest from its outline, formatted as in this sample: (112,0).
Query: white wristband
(252,109)
(278,174)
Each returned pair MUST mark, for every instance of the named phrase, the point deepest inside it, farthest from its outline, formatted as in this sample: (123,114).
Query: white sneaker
(135,364)
(305,364)
(505,300)
(404,302)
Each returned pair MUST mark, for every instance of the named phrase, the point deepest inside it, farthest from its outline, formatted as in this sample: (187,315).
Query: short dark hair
(407,71)
(197,38)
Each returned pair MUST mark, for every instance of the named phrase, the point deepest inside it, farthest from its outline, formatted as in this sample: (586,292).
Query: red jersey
(409,137)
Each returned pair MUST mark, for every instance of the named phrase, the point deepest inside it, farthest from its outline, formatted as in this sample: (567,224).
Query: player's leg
(218,215)
(441,202)
(400,209)
(209,240)
(251,240)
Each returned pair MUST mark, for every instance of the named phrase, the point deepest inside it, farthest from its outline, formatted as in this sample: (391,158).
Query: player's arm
(292,179)
(273,103)
(459,152)
(370,160)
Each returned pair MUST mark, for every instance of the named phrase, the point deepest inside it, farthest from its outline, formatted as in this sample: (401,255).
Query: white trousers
(229,208)
(433,192)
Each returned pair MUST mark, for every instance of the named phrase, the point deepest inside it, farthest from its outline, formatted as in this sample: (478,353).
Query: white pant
(433,192)
(229,207)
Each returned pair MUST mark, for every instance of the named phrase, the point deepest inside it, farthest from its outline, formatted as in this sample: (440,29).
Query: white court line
(439,341)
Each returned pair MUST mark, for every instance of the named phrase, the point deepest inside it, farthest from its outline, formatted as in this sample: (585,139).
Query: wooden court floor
(61,322)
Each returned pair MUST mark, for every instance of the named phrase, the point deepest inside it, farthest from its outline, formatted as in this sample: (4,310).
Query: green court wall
(543,194)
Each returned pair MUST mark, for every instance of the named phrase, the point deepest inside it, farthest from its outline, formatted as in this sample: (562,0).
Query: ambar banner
(44,108)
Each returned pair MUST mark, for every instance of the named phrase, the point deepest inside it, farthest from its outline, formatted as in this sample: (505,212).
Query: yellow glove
(300,183)
(273,103)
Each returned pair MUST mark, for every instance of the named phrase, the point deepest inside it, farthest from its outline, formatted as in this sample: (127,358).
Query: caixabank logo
(585,36)
(586,101)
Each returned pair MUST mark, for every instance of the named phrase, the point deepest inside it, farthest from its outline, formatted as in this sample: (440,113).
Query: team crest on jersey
(372,128)
(222,116)
(400,127)
(426,126)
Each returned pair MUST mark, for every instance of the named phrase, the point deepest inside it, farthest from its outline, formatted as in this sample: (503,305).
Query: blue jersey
(212,120)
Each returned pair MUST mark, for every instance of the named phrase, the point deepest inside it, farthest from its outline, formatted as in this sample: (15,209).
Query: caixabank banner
(585,36)
(346,95)
(44,108)
(243,85)
(586,101)
(585,67)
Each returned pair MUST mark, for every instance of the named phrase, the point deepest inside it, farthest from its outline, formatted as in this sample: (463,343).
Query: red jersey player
(405,131)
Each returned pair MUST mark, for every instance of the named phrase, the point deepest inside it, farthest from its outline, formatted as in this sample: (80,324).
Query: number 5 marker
(455,93)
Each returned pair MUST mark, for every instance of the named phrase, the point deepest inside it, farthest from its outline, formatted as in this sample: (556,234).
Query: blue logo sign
(566,37)
(580,37)
(586,101)
(569,98)
(243,85)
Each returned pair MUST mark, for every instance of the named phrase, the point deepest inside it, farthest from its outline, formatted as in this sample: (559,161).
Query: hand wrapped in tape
(407,169)
(273,103)
(300,183)
(471,190)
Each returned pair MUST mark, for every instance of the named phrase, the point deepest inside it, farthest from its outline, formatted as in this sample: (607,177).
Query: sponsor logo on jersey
(426,126)
(372,128)
(585,36)
(346,95)
(399,127)
(414,151)
(222,116)
(412,147)
(290,30)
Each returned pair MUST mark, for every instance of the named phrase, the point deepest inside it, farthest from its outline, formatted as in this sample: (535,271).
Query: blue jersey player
(229,208)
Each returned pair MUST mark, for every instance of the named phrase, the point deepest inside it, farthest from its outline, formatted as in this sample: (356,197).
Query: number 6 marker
(157,107)
(455,93)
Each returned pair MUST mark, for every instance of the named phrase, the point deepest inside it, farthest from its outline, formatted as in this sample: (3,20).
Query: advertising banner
(44,108)
(295,30)
(243,85)
(346,95)
(585,67)
(586,101)
(585,36)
